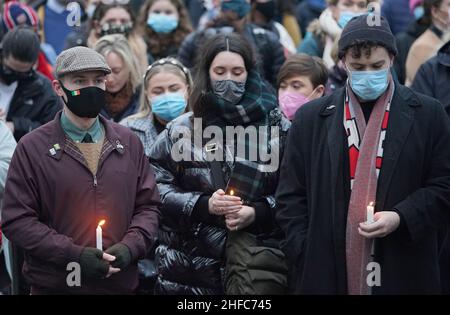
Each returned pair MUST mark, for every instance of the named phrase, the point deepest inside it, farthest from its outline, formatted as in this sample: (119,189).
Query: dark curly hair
(360,47)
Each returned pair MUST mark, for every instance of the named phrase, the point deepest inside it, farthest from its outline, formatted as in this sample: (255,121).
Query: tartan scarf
(252,110)
(257,101)
(365,149)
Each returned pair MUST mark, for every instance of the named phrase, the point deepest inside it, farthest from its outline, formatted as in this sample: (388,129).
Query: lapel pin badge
(52,151)
(56,146)
(119,145)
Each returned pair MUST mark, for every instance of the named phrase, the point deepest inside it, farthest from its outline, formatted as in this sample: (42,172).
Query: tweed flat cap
(80,59)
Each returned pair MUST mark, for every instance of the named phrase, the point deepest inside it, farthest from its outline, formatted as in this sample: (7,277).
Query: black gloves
(94,266)
(122,254)
(92,263)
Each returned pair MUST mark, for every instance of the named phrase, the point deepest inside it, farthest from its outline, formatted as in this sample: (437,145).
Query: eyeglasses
(171,61)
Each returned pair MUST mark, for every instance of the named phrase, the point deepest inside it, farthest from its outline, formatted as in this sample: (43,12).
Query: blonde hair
(170,65)
(118,44)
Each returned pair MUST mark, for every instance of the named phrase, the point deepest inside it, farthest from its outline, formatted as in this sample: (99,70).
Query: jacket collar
(143,124)
(402,94)
(58,137)
(443,55)
(401,117)
(31,87)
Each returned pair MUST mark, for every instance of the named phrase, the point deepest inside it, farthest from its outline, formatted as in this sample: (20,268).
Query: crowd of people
(198,147)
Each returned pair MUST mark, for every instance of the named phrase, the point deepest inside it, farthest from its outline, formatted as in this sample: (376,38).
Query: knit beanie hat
(367,27)
(16,14)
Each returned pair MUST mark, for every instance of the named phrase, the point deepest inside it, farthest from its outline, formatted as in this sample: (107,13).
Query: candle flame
(371,204)
(231,192)
(101,222)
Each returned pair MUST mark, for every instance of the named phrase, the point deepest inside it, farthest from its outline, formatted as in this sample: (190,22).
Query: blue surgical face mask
(419,12)
(240,7)
(162,23)
(168,106)
(345,17)
(369,85)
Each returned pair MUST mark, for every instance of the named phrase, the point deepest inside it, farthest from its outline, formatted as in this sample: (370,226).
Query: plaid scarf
(365,149)
(252,110)
(257,101)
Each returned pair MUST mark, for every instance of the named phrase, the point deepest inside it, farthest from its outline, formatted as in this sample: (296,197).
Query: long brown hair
(158,43)
(210,49)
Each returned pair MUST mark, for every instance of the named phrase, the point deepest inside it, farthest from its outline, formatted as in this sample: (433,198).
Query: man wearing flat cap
(80,197)
(373,146)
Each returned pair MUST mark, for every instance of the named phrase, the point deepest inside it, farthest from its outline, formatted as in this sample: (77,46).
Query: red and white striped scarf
(365,149)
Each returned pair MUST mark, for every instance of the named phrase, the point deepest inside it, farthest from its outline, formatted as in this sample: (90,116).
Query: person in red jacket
(71,174)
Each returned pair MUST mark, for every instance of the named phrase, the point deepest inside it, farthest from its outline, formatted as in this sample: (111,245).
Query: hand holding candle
(370,212)
(99,235)
(221,203)
(386,223)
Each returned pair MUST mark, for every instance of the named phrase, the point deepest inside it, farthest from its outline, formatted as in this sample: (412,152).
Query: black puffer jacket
(264,42)
(190,256)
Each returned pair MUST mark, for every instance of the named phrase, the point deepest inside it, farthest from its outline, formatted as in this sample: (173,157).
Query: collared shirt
(77,134)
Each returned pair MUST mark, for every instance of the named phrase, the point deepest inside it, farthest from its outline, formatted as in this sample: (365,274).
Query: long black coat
(414,180)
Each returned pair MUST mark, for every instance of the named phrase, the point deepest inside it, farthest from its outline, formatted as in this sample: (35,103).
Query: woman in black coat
(196,212)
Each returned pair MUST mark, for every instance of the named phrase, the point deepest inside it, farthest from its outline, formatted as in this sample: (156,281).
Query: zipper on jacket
(95,181)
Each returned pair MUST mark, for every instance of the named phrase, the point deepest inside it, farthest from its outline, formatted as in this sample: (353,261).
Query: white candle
(99,235)
(370,211)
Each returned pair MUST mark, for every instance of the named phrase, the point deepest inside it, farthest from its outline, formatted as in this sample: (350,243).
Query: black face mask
(109,28)
(267,9)
(9,75)
(86,102)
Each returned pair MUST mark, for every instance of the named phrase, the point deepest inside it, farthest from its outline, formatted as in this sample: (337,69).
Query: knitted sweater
(91,153)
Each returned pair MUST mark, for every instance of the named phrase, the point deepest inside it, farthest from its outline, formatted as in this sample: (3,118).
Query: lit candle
(231,192)
(99,234)
(370,211)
